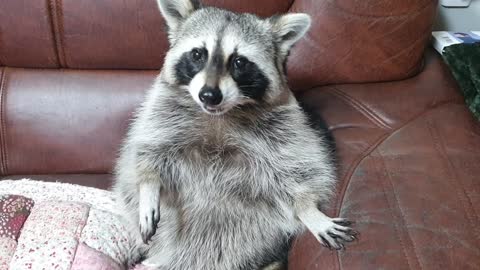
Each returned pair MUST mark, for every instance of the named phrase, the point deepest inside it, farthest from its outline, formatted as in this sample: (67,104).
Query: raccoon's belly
(219,235)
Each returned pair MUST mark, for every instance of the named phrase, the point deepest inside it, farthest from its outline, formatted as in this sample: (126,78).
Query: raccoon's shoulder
(293,124)
(318,124)
(280,125)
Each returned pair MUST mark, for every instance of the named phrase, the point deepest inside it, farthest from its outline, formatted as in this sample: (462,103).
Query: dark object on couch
(73,71)
(464,62)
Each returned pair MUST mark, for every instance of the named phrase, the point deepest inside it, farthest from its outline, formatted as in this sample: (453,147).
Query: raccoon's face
(226,60)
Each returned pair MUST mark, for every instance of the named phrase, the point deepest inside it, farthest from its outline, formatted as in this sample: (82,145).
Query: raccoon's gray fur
(221,168)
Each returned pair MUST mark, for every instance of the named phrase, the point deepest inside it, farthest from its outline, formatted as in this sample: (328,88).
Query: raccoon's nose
(210,96)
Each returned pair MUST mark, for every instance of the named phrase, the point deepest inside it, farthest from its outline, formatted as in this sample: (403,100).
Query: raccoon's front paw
(330,232)
(333,233)
(149,218)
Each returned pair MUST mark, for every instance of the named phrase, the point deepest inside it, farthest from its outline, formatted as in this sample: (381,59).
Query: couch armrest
(409,153)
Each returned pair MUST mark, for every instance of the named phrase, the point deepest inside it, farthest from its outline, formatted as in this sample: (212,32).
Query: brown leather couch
(73,71)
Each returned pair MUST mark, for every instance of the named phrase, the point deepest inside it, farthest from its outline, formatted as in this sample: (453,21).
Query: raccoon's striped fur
(221,166)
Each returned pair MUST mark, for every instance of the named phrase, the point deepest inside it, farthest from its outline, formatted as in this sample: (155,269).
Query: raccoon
(221,166)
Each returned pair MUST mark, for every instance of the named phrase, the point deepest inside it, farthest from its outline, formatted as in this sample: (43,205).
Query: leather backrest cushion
(26,38)
(355,41)
(350,41)
(65,121)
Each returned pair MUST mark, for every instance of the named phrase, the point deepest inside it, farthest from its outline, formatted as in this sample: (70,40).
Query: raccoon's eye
(197,54)
(240,62)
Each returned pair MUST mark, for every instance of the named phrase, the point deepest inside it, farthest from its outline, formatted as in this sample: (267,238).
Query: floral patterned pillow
(61,226)
(14,210)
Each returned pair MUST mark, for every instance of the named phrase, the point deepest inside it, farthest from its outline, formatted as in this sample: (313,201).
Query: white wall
(459,19)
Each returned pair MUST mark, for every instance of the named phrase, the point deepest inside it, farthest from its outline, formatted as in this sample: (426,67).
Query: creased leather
(408,148)
(408,153)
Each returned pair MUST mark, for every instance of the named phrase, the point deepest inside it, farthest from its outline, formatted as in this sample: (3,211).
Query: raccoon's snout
(211,96)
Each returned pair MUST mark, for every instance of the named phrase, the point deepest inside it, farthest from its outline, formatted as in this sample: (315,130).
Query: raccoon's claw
(342,222)
(148,223)
(337,234)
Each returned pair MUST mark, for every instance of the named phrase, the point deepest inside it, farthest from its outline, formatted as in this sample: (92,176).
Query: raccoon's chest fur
(219,162)
(227,183)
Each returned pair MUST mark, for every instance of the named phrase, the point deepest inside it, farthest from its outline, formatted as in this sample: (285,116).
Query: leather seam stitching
(401,216)
(60,24)
(396,227)
(57,30)
(367,111)
(1,44)
(4,152)
(442,152)
(362,108)
(52,29)
(353,168)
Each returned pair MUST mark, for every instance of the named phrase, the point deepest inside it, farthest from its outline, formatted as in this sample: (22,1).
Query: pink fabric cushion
(87,258)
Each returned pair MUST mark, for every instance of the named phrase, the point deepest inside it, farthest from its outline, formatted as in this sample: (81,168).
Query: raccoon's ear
(289,28)
(176,11)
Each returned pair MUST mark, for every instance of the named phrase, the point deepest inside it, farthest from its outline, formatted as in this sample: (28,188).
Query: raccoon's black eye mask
(249,78)
(190,64)
(251,81)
